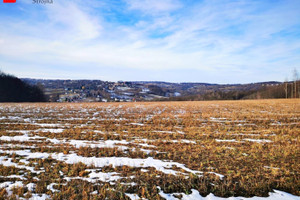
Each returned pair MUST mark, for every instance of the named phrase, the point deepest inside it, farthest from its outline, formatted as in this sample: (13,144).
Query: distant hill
(12,89)
(97,90)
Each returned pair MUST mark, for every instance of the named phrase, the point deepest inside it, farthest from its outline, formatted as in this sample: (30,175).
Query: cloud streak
(153,7)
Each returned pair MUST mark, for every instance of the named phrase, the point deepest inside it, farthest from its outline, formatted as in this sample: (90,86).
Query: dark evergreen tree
(12,89)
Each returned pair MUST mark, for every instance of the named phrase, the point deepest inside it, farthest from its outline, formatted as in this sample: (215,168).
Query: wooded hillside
(12,89)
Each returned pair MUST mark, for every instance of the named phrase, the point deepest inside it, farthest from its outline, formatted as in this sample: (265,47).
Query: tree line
(12,89)
(284,90)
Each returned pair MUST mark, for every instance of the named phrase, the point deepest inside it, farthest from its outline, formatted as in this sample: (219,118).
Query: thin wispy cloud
(200,41)
(154,7)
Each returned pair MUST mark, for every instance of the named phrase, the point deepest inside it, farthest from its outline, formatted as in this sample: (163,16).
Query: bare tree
(286,87)
(295,77)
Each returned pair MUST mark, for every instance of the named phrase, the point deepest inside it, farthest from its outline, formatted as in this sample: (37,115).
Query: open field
(169,150)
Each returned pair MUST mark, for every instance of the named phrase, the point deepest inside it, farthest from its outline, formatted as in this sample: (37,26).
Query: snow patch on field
(95,176)
(163,166)
(51,130)
(8,163)
(99,144)
(166,141)
(50,187)
(233,140)
(137,124)
(75,143)
(2,118)
(133,196)
(159,165)
(10,185)
(20,131)
(47,125)
(276,195)
(105,177)
(31,187)
(257,140)
(40,197)
(21,138)
(169,132)
(147,145)
(14,176)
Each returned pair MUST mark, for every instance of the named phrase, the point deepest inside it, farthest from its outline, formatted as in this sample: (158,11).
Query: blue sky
(214,41)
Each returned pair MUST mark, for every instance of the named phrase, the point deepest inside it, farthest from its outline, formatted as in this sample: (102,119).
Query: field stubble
(149,150)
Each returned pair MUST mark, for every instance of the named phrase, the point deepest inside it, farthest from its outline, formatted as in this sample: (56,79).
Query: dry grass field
(169,150)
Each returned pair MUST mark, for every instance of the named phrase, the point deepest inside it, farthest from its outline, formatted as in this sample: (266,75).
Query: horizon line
(83,79)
